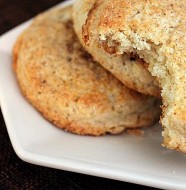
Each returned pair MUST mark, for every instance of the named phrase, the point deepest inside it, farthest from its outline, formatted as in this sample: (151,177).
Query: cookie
(128,68)
(61,80)
(156,32)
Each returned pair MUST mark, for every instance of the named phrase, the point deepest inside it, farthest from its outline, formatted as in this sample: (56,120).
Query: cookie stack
(82,80)
(153,32)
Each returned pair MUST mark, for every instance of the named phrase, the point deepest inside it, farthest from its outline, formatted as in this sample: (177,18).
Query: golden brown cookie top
(158,22)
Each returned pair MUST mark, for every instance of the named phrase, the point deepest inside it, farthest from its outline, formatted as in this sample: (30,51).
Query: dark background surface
(17,174)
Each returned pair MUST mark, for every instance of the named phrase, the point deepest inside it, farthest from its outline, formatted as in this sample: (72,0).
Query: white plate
(136,159)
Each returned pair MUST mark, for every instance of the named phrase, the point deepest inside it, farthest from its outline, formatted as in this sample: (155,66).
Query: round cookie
(128,68)
(72,91)
(156,31)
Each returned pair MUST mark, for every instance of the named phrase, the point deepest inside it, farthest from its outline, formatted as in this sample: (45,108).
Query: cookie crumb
(135,132)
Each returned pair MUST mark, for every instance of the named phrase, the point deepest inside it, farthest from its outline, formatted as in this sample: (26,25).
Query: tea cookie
(156,32)
(71,90)
(128,68)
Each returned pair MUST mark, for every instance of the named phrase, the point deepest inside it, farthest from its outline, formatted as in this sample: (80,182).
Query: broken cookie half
(128,67)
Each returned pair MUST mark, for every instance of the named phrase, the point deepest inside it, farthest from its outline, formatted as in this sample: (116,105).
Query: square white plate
(136,159)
